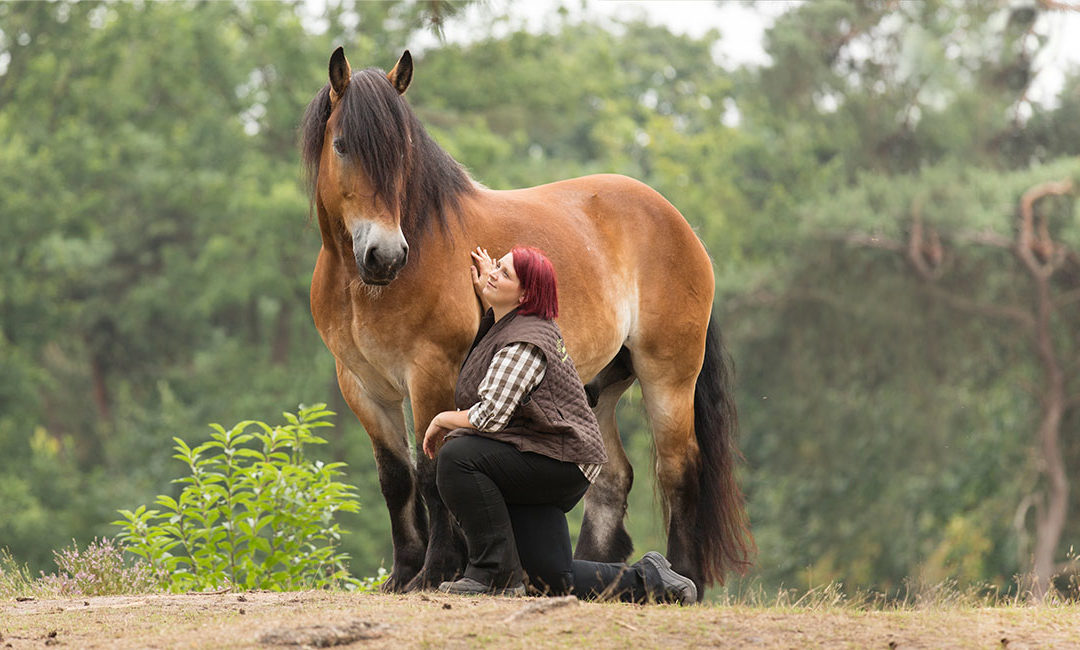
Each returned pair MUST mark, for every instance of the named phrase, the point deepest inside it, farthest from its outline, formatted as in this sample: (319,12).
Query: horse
(392,298)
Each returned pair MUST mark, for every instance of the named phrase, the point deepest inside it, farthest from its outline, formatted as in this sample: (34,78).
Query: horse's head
(362,160)
(377,178)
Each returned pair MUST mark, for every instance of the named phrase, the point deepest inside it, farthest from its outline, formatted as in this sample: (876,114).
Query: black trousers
(511,506)
(543,543)
(478,478)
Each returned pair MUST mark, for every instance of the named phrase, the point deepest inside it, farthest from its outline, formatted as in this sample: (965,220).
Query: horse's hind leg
(669,403)
(385,425)
(685,384)
(603,536)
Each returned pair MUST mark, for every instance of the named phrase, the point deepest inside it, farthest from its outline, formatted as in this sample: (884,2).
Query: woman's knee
(452,452)
(455,459)
(457,454)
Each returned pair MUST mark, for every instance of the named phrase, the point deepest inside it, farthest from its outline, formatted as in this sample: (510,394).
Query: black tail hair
(722,530)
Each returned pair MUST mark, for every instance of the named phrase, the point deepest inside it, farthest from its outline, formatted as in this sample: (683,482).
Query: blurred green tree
(895,313)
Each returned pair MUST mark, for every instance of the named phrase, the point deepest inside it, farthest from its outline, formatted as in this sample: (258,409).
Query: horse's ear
(401,75)
(340,73)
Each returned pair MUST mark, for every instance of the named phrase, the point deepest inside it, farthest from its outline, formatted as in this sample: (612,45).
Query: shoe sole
(512,592)
(686,588)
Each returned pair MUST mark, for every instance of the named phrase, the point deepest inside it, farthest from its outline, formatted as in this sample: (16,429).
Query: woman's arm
(453,420)
(514,372)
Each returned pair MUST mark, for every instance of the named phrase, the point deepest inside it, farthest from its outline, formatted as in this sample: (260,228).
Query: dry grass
(436,620)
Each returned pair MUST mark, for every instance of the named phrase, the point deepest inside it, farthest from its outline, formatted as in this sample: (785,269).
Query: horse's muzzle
(379,265)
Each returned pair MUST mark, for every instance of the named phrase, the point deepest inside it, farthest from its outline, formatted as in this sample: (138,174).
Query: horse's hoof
(396,584)
(420,582)
(428,580)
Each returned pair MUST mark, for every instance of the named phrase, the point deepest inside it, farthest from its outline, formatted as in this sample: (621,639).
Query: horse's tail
(722,530)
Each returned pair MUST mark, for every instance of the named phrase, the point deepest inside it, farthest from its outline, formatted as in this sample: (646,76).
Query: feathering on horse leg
(385,425)
(408,522)
(603,536)
(446,553)
(670,409)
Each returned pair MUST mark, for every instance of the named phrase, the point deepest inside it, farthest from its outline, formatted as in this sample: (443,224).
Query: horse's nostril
(370,259)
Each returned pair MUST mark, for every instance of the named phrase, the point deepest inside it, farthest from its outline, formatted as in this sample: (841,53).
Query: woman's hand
(442,424)
(433,438)
(483,268)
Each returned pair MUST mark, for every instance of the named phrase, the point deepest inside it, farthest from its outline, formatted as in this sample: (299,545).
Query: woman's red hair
(537,277)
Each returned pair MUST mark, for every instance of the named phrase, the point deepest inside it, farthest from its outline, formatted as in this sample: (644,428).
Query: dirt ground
(324,619)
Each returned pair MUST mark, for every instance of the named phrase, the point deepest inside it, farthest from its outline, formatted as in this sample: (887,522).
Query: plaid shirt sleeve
(514,371)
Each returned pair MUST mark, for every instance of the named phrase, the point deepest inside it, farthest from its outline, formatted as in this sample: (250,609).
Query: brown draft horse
(392,298)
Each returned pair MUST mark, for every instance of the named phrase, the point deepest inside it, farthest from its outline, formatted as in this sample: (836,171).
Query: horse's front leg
(385,425)
(431,392)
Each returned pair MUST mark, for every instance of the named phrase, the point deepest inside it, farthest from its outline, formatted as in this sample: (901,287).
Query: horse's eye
(339,147)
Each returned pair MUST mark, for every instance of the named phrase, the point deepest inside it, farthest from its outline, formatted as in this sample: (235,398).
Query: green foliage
(921,415)
(255,513)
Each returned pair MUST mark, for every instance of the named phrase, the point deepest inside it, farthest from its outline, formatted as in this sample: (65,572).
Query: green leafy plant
(254,512)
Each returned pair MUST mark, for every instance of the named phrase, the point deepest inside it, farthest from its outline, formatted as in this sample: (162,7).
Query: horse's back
(615,212)
(631,269)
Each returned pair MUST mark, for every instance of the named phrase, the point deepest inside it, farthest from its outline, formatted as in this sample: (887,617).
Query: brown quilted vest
(555,419)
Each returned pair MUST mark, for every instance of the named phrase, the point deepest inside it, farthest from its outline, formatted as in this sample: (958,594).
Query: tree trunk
(1043,257)
(1051,516)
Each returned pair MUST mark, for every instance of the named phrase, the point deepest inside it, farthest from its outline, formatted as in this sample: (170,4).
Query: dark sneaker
(470,587)
(677,588)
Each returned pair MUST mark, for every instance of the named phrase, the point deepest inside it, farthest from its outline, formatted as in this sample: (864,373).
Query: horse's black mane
(379,130)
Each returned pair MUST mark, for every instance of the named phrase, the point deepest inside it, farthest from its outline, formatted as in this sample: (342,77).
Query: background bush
(255,512)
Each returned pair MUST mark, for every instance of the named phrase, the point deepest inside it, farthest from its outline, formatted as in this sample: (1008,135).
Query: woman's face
(503,288)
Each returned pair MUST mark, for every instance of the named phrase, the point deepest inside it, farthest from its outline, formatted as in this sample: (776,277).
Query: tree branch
(924,250)
(874,241)
(1009,312)
(984,238)
(1030,244)
(1019,315)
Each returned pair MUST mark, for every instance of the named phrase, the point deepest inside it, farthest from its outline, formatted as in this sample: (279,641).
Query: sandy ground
(324,619)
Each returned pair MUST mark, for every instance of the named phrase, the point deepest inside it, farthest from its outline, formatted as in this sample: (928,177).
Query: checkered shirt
(514,372)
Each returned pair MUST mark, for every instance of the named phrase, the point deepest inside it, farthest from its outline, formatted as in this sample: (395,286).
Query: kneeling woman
(524,445)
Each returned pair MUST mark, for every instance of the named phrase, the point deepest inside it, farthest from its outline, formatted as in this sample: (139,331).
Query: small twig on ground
(208,593)
(541,606)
